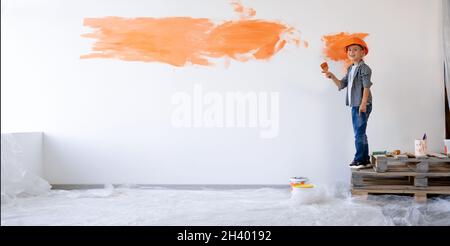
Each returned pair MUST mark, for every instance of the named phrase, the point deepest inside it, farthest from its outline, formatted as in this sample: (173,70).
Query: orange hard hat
(357,41)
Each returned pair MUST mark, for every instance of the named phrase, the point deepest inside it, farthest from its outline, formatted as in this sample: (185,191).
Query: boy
(359,98)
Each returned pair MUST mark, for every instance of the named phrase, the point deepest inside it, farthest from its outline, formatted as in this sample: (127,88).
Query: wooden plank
(412,158)
(405,189)
(420,197)
(361,194)
(399,183)
(384,191)
(411,155)
(379,157)
(357,180)
(429,160)
(381,165)
(401,157)
(421,181)
(422,167)
(371,173)
(434,167)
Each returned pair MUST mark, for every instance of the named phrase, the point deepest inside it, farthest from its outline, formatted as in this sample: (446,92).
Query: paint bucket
(420,147)
(447,146)
(300,182)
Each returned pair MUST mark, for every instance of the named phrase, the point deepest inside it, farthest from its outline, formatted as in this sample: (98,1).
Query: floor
(220,206)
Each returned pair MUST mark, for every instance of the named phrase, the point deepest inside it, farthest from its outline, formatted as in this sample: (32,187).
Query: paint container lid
(297,180)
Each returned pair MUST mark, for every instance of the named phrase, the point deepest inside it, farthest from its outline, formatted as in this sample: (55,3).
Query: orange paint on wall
(335,45)
(306,44)
(174,41)
(242,11)
(184,40)
(260,39)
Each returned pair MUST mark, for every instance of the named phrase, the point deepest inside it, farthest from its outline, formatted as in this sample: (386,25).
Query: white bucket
(447,146)
(420,147)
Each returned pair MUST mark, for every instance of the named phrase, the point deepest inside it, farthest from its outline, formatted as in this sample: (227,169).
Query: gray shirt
(361,80)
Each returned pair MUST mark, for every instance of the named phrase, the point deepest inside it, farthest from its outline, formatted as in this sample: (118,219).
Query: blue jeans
(359,128)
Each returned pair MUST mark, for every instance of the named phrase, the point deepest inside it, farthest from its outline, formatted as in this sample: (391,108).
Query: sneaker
(365,165)
(354,164)
(359,164)
(368,163)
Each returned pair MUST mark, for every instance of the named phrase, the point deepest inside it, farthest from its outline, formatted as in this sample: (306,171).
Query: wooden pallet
(384,163)
(439,175)
(401,180)
(419,195)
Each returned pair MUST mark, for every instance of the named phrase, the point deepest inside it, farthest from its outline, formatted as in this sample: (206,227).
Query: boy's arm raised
(341,84)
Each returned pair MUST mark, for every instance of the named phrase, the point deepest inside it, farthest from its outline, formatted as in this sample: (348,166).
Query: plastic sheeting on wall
(446,41)
(16,180)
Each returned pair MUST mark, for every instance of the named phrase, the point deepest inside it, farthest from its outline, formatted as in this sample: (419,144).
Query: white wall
(109,120)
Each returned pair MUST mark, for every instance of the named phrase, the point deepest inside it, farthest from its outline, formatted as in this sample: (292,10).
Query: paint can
(300,182)
(447,146)
(420,147)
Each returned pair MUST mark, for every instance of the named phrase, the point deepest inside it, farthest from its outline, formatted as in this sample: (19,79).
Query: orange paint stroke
(305,43)
(242,11)
(335,45)
(184,40)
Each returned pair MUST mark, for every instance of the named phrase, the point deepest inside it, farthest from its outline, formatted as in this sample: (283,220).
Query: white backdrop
(109,120)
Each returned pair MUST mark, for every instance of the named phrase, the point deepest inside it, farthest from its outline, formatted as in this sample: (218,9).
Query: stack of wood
(404,173)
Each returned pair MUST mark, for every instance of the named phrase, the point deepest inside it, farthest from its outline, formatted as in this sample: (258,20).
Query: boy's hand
(329,75)
(362,108)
